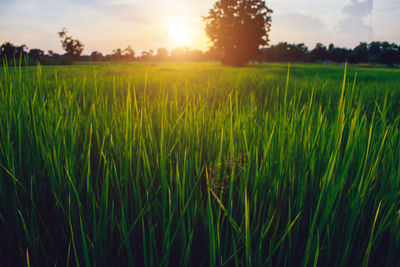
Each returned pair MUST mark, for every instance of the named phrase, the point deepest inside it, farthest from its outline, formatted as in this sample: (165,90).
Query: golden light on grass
(179,31)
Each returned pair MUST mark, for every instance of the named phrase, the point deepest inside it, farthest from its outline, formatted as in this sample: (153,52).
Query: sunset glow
(179,32)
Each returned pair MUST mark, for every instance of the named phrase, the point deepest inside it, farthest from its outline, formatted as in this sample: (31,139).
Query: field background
(199,164)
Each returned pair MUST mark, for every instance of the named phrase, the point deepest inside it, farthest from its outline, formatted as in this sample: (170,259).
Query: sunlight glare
(179,32)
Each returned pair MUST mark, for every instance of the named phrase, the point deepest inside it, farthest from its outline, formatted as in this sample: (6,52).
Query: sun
(179,32)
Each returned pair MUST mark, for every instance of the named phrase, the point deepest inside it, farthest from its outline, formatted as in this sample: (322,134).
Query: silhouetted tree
(129,53)
(21,50)
(117,54)
(297,52)
(35,54)
(389,54)
(162,54)
(360,53)
(319,52)
(374,50)
(73,47)
(10,51)
(238,29)
(338,54)
(281,52)
(52,54)
(7,50)
(96,56)
(147,55)
(285,52)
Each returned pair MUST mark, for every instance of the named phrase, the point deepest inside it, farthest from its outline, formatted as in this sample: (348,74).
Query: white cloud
(352,31)
(358,9)
(298,28)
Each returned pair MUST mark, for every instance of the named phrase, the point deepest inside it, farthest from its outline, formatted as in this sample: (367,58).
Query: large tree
(238,29)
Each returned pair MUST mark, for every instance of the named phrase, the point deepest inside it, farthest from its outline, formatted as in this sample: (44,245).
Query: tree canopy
(238,29)
(73,47)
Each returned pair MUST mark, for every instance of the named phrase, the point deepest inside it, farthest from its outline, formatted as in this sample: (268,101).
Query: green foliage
(374,52)
(183,164)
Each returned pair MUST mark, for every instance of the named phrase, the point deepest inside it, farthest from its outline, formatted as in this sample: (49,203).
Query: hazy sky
(104,25)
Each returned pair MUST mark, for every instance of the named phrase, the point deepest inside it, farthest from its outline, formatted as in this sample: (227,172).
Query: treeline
(374,53)
(15,55)
(162,54)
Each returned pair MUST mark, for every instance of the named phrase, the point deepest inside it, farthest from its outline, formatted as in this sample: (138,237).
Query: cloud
(351,31)
(298,28)
(354,27)
(358,9)
(298,22)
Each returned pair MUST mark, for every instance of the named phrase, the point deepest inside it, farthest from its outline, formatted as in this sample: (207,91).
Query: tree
(338,54)
(7,50)
(129,53)
(147,55)
(360,53)
(96,56)
(162,54)
(36,54)
(238,29)
(374,51)
(73,47)
(10,51)
(319,52)
(389,54)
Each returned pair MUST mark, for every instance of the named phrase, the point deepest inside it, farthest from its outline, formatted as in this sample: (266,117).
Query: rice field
(167,164)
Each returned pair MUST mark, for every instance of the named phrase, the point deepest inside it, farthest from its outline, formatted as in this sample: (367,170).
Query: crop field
(179,164)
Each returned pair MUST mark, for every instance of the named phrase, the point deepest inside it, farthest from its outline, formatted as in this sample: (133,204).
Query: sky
(104,25)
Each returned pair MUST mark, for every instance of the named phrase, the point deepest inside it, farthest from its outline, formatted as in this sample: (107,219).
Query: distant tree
(10,51)
(238,29)
(338,54)
(117,54)
(21,50)
(147,55)
(96,56)
(129,53)
(162,54)
(285,52)
(389,54)
(35,54)
(73,47)
(319,52)
(360,53)
(52,54)
(281,52)
(7,50)
(374,51)
(298,52)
